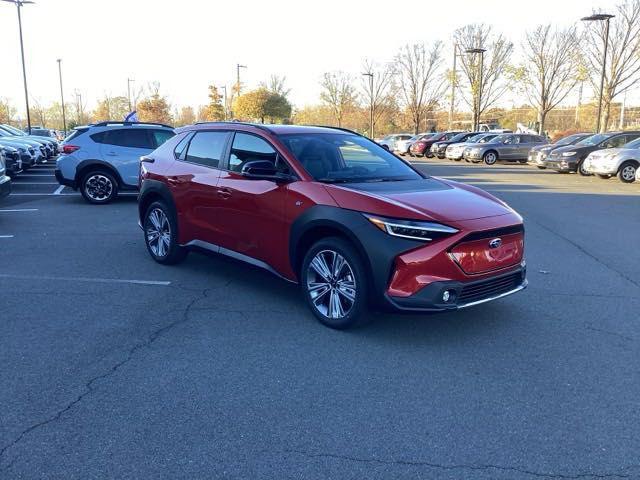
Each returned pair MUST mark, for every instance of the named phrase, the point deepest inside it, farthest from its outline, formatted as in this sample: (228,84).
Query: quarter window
(206,148)
(247,148)
(161,136)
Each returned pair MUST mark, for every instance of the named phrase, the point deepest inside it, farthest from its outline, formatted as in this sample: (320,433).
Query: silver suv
(104,158)
(508,146)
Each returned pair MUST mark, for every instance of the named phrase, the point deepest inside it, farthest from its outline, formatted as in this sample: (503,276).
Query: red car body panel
(255,217)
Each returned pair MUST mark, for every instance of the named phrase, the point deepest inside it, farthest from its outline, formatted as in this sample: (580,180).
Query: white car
(623,162)
(455,150)
(402,146)
(389,142)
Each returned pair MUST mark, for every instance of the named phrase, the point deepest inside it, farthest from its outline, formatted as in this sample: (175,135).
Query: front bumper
(599,169)
(462,294)
(568,164)
(471,155)
(5,186)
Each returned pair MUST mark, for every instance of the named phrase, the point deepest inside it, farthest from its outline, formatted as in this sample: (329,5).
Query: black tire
(171,252)
(580,169)
(627,172)
(542,168)
(428,155)
(355,311)
(490,157)
(603,177)
(99,187)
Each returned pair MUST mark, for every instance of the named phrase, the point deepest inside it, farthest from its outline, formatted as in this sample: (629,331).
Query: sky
(188,44)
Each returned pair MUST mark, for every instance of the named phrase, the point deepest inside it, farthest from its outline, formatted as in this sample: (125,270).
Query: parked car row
(21,151)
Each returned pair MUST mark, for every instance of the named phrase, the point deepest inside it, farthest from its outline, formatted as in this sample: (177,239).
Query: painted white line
(44,175)
(6,236)
(36,183)
(59,190)
(85,279)
(19,210)
(62,194)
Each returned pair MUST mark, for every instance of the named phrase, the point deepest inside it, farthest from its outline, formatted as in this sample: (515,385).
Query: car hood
(431,199)
(542,148)
(575,148)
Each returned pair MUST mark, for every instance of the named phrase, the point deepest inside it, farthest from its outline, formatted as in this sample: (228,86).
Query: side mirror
(146,159)
(262,170)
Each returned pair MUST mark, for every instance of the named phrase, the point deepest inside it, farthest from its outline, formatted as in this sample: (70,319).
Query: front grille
(498,232)
(489,288)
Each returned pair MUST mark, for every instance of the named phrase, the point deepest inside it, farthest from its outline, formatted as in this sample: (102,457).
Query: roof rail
(115,122)
(261,126)
(338,128)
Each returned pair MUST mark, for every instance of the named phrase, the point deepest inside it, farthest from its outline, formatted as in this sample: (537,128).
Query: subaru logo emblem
(495,243)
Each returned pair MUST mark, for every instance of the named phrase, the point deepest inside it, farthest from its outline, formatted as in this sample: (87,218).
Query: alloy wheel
(628,173)
(98,187)
(490,158)
(158,232)
(331,284)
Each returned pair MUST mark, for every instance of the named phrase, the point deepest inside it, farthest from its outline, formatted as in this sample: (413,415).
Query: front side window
(615,142)
(337,158)
(207,148)
(248,148)
(594,139)
(128,137)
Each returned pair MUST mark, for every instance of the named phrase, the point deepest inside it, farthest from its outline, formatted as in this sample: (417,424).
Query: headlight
(568,154)
(414,230)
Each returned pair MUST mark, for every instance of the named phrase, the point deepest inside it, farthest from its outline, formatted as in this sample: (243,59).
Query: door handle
(112,154)
(224,192)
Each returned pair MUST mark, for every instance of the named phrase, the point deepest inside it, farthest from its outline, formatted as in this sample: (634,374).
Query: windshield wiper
(334,180)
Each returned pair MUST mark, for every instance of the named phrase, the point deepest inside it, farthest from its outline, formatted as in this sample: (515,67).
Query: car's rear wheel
(490,158)
(627,172)
(334,283)
(161,234)
(99,187)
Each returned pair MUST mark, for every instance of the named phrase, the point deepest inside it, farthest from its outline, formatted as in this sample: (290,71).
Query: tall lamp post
(64,115)
(371,106)
(599,17)
(224,106)
(19,4)
(238,67)
(129,82)
(478,51)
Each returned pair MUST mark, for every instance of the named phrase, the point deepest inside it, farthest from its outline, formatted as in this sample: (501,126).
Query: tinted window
(181,149)
(247,148)
(129,137)
(76,133)
(334,157)
(615,142)
(161,136)
(206,148)
(631,137)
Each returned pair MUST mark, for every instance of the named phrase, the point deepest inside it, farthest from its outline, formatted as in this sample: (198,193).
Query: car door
(193,182)
(123,148)
(252,210)
(508,149)
(525,144)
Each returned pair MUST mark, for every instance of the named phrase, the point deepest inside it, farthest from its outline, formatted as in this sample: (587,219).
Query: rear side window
(128,137)
(180,151)
(207,148)
(161,136)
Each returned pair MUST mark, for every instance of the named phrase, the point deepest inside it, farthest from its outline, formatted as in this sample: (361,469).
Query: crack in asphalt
(473,467)
(89,386)
(585,251)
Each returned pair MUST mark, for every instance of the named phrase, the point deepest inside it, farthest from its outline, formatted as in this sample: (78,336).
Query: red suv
(326,208)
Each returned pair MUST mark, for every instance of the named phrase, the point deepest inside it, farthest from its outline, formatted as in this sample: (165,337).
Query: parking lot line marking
(44,175)
(36,183)
(85,279)
(6,236)
(19,210)
(59,190)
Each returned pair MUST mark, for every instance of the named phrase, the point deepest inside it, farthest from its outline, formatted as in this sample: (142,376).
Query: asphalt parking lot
(113,366)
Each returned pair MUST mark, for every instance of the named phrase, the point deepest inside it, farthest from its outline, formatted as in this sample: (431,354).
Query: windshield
(486,138)
(500,138)
(13,130)
(594,139)
(340,158)
(566,140)
(459,137)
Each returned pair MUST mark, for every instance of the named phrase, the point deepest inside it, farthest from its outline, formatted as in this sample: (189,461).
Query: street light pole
(64,116)
(129,82)
(224,109)
(371,103)
(453,85)
(19,4)
(238,67)
(478,51)
(598,17)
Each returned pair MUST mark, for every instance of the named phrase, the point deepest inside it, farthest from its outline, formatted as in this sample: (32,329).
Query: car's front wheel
(627,172)
(582,170)
(334,283)
(490,158)
(161,234)
(99,187)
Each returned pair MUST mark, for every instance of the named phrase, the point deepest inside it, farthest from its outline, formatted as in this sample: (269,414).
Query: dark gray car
(509,147)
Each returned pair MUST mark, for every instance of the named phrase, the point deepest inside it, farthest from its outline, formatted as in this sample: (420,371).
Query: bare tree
(378,88)
(622,70)
(549,71)
(277,85)
(496,58)
(422,82)
(338,93)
